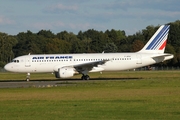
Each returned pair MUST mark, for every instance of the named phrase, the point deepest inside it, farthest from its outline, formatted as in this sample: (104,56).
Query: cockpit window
(15,61)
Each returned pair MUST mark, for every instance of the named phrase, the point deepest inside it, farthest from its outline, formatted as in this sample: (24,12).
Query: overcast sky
(75,15)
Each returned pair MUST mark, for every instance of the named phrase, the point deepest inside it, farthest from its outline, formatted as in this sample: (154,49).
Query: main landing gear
(85,77)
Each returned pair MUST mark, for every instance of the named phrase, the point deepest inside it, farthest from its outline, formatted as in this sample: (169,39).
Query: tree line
(90,41)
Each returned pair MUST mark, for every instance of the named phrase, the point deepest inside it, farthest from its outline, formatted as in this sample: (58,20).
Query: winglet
(157,43)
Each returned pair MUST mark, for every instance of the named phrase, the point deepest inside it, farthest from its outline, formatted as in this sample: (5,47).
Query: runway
(51,83)
(39,83)
(25,84)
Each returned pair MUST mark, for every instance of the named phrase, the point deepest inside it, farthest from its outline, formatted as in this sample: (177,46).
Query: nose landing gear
(28,77)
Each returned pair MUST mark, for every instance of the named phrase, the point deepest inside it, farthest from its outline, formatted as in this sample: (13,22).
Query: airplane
(67,65)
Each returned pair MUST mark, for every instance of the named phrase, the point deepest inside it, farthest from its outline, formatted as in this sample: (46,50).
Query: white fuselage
(51,62)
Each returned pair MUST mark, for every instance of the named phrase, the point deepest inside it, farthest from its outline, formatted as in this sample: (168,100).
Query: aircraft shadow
(73,79)
(135,78)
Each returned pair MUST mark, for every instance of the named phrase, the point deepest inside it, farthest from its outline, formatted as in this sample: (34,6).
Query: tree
(66,36)
(6,44)
(26,44)
(98,40)
(78,46)
(174,36)
(110,47)
(118,37)
(46,34)
(57,46)
(137,45)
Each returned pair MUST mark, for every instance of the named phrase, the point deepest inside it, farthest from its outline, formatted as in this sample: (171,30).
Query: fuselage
(51,62)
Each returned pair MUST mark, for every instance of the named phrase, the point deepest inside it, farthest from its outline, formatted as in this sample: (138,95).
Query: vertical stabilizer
(157,43)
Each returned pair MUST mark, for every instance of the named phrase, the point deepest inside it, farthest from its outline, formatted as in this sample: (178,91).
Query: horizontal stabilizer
(162,57)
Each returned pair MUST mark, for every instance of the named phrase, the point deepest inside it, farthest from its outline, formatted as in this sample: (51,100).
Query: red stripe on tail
(163,45)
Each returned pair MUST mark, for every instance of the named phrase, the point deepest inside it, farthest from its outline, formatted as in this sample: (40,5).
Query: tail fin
(157,43)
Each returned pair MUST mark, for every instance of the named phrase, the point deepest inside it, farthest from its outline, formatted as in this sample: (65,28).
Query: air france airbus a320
(66,65)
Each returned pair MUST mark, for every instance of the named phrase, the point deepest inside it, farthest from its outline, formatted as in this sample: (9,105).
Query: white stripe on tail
(157,43)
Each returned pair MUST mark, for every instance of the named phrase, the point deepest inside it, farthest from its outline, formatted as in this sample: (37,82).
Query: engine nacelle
(65,72)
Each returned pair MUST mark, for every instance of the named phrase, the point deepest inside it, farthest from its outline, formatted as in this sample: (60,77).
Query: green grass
(127,95)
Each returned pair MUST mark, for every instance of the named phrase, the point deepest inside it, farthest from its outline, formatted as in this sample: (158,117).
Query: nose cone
(7,67)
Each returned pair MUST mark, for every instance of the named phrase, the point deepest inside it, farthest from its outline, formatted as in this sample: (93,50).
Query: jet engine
(65,72)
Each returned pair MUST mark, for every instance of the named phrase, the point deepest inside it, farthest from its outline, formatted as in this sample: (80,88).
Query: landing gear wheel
(85,77)
(27,79)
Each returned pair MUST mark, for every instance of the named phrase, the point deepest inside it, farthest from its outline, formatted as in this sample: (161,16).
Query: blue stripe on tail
(159,38)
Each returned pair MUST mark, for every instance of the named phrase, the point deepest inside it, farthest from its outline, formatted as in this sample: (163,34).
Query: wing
(86,67)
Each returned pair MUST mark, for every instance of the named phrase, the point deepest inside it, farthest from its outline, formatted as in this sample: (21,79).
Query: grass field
(119,95)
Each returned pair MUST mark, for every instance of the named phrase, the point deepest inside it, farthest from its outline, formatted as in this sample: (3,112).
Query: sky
(80,15)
